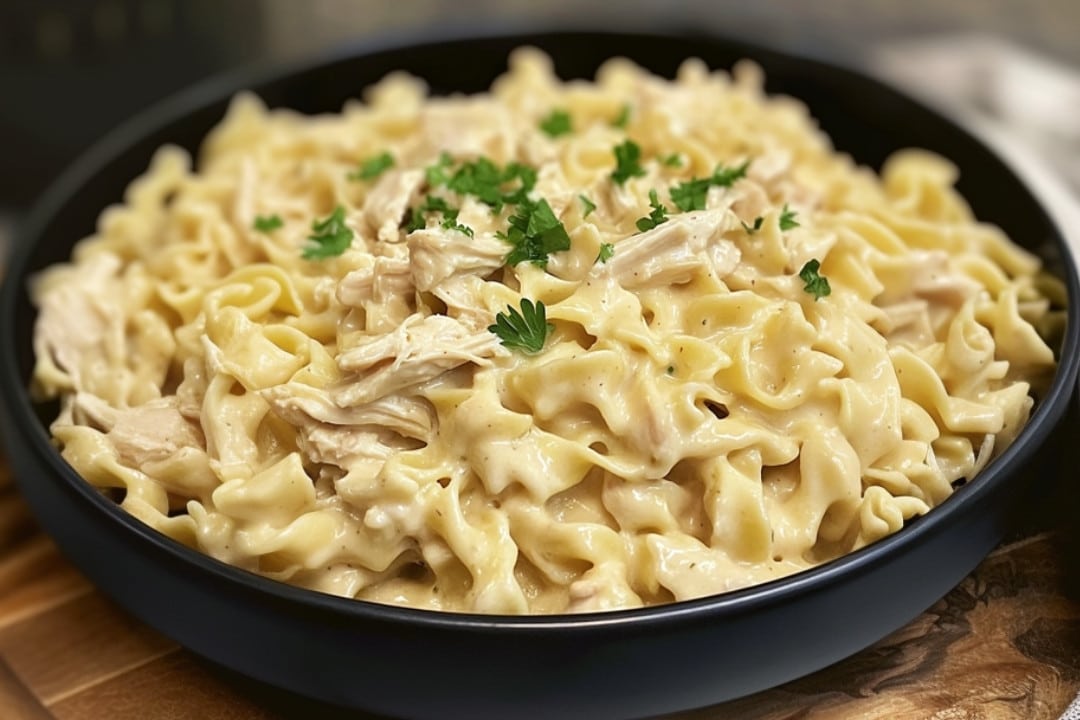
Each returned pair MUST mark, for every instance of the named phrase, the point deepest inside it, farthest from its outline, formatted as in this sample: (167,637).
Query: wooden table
(1003,645)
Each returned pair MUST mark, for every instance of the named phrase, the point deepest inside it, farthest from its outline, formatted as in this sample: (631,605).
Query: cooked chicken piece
(348,447)
(464,299)
(302,405)
(385,205)
(75,321)
(674,252)
(145,433)
(420,349)
(386,278)
(437,255)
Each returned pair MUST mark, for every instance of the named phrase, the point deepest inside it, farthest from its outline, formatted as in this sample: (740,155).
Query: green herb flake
(418,216)
(373,167)
(656,217)
(436,174)
(268,223)
(674,160)
(588,206)
(483,179)
(623,118)
(627,162)
(330,237)
(557,123)
(526,331)
(787,220)
(607,251)
(535,233)
(751,229)
(816,284)
(726,177)
(691,195)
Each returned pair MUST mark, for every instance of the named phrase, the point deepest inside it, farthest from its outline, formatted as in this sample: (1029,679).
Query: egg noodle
(560,347)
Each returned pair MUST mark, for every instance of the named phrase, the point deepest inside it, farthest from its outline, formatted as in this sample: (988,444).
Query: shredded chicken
(73,322)
(301,405)
(674,252)
(147,433)
(437,255)
(385,206)
(420,349)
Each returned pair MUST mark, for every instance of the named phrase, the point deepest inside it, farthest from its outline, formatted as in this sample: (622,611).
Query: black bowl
(621,664)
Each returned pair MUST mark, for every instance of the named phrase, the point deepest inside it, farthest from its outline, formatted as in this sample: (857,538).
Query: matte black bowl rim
(736,602)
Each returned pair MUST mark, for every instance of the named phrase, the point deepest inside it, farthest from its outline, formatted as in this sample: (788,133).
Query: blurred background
(72,69)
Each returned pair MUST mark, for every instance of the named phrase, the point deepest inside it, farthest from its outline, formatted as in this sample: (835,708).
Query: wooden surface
(1003,645)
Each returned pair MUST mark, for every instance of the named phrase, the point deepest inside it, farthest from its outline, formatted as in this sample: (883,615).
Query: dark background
(72,69)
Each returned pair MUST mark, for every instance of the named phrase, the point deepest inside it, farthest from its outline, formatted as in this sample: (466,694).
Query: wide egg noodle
(697,421)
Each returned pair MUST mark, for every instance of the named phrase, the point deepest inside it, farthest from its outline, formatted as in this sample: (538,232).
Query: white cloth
(1019,103)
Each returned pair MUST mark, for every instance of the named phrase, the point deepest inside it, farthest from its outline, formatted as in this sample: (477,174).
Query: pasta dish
(563,346)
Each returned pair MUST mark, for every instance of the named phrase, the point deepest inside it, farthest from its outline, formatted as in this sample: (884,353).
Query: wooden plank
(16,700)
(34,577)
(76,645)
(172,687)
(16,522)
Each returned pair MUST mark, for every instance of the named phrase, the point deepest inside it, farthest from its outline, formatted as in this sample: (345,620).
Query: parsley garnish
(267,223)
(588,204)
(535,233)
(751,229)
(373,167)
(557,123)
(673,160)
(623,118)
(526,331)
(691,195)
(485,180)
(330,237)
(726,177)
(656,217)
(418,221)
(788,221)
(436,174)
(627,162)
(607,251)
(816,284)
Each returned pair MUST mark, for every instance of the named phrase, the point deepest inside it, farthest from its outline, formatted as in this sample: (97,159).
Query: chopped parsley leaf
(526,331)
(373,167)
(483,179)
(418,219)
(535,233)
(690,195)
(816,284)
(557,123)
(627,162)
(751,229)
(267,223)
(330,237)
(588,204)
(607,251)
(623,118)
(787,220)
(436,174)
(656,217)
(726,177)
(674,160)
